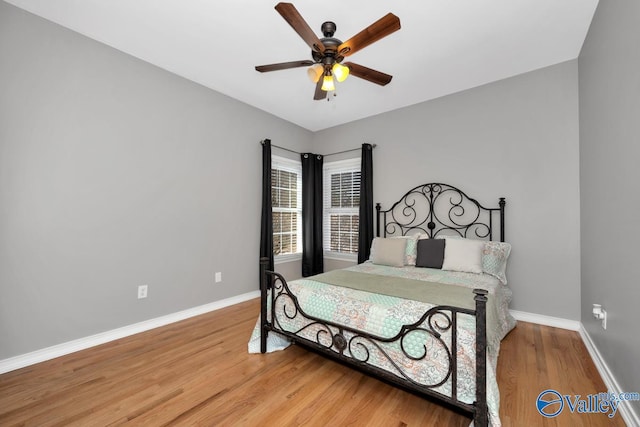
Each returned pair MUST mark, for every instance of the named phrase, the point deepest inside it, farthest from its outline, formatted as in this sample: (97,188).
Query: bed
(429,328)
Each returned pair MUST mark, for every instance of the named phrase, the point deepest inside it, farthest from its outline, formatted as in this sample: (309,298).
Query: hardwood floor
(198,372)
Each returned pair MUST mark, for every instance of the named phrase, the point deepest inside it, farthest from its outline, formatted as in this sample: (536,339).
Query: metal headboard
(437,208)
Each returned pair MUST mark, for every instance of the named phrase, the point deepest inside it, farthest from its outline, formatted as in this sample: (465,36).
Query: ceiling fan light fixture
(315,72)
(341,72)
(327,83)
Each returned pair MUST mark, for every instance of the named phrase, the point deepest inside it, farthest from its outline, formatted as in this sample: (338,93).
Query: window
(341,208)
(286,199)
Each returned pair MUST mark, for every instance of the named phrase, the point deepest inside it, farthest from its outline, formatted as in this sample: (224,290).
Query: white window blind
(341,208)
(286,199)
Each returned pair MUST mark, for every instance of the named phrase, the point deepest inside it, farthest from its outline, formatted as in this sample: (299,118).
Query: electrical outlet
(142,291)
(600,314)
(218,277)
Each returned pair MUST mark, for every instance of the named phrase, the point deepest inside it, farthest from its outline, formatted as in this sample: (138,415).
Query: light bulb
(327,83)
(341,72)
(315,72)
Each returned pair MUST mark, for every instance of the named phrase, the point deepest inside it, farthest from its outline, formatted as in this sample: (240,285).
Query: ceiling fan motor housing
(330,55)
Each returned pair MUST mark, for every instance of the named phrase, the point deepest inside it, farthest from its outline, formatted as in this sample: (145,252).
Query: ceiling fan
(329,52)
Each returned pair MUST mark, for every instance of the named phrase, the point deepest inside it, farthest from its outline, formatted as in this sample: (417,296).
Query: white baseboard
(58,350)
(541,319)
(626,411)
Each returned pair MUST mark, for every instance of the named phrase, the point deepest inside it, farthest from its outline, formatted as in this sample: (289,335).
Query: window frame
(292,166)
(332,168)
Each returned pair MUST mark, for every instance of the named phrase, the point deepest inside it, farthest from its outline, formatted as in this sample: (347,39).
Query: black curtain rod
(325,155)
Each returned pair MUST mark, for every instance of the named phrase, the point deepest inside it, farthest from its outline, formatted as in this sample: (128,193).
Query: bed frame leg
(263,304)
(481,416)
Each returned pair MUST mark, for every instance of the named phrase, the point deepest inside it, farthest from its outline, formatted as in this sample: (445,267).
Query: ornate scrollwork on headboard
(437,208)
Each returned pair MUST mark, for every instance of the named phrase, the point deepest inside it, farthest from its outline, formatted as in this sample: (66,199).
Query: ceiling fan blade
(319,94)
(283,65)
(369,74)
(374,32)
(297,22)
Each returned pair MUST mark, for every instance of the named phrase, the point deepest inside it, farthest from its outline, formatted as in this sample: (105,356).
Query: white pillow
(463,255)
(388,251)
(494,257)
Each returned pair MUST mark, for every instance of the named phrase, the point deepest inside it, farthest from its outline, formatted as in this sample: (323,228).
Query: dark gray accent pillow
(430,253)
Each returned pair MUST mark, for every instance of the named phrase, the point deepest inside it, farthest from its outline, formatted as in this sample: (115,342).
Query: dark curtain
(365,228)
(266,225)
(312,256)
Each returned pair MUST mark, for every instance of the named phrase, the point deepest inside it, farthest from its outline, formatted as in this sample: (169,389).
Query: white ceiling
(444,46)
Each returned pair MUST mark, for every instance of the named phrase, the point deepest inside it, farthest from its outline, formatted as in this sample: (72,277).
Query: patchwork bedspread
(381,308)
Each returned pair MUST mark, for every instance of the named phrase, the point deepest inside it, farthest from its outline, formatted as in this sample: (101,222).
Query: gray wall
(113,174)
(609,67)
(516,138)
